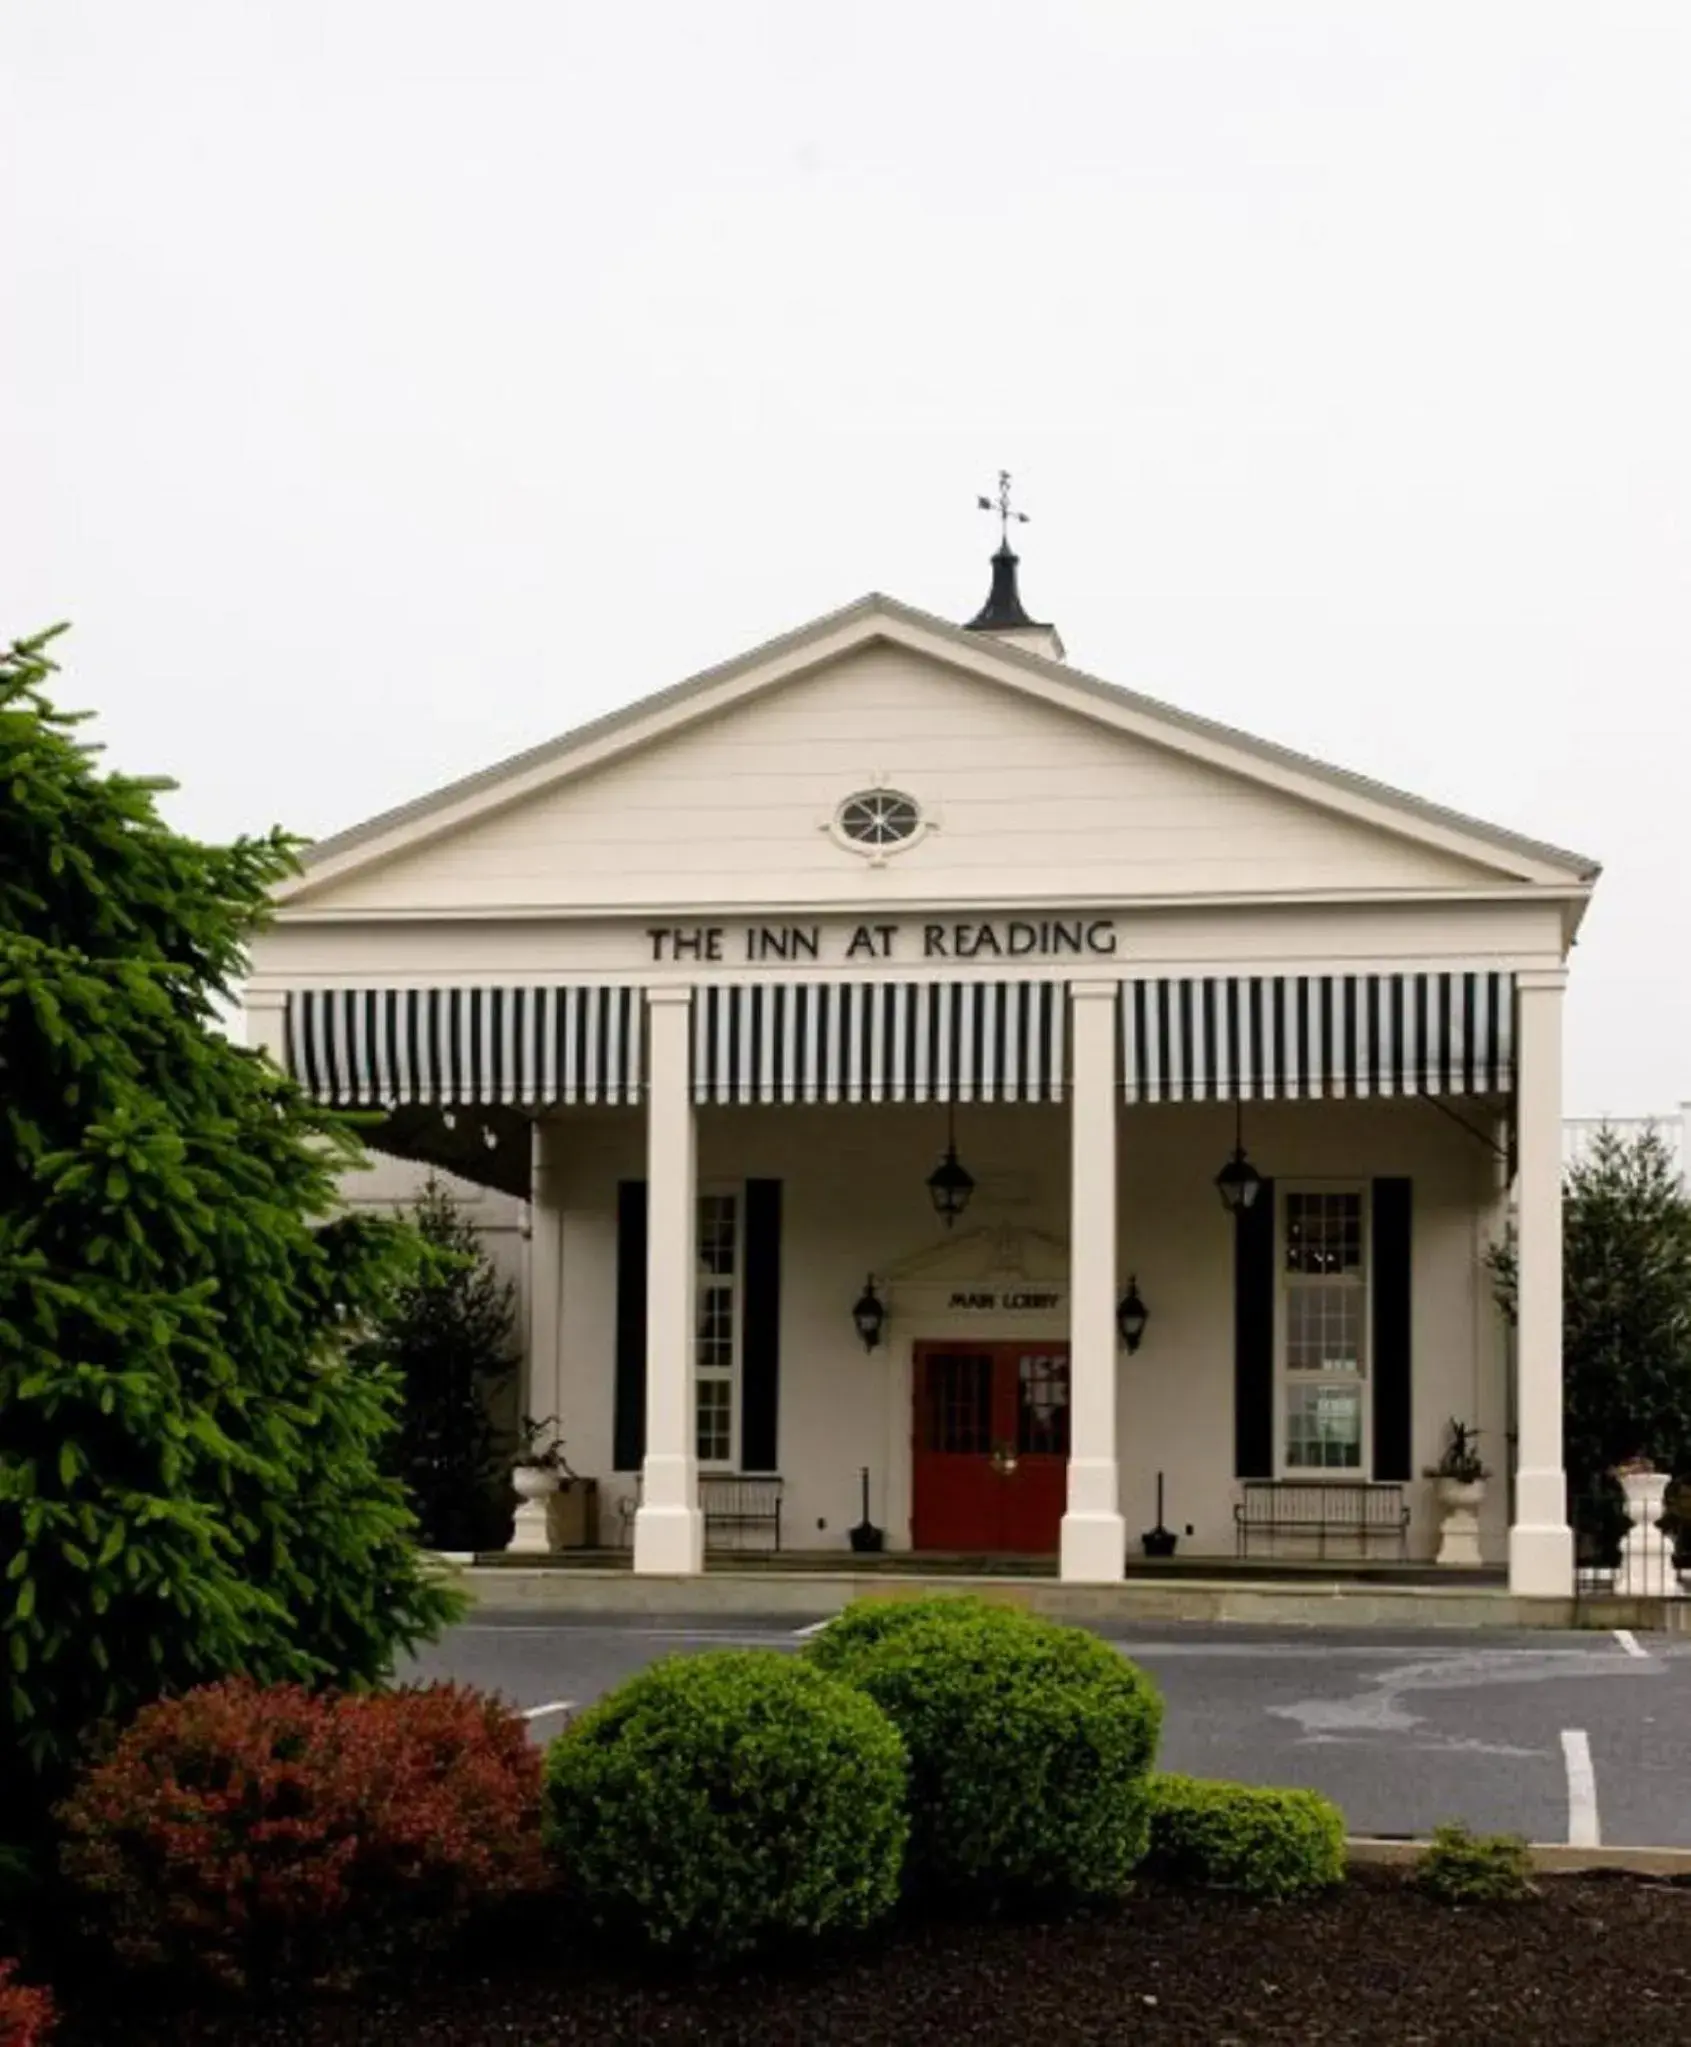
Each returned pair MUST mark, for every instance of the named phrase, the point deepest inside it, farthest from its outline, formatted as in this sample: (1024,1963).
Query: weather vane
(1003,508)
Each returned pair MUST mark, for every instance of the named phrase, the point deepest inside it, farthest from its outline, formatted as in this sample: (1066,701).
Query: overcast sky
(390,384)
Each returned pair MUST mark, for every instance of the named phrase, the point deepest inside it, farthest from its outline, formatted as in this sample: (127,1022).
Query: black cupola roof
(1003,610)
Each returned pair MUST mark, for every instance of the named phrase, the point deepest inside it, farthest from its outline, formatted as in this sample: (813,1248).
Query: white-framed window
(716,1339)
(1322,1331)
(876,822)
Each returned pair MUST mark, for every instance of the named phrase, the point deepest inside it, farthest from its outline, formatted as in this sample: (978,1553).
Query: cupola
(1003,614)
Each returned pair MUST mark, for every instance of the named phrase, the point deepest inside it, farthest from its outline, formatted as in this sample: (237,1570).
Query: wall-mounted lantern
(869,1314)
(1131,1317)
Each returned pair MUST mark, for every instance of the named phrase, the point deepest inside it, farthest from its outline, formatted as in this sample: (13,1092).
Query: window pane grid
(1324,1328)
(1324,1427)
(716,1421)
(959,1405)
(718,1233)
(1324,1356)
(1324,1233)
(716,1326)
(1042,1405)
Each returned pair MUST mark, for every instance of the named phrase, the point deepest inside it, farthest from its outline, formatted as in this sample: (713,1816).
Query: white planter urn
(534,1485)
(1646,1566)
(1459,1529)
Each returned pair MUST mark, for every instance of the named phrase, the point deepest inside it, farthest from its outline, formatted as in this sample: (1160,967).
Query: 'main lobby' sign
(1010,1300)
(1011,938)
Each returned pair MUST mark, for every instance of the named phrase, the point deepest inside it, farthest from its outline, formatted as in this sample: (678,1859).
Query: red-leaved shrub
(26,2015)
(270,1836)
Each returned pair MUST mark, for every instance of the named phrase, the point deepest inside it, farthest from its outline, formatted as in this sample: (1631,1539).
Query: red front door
(991,1446)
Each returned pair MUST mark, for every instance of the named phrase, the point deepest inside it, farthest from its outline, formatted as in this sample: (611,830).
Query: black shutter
(1391,1328)
(1253,1337)
(760,1328)
(629,1450)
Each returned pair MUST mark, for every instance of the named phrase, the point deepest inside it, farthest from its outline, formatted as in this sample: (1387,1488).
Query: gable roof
(412,825)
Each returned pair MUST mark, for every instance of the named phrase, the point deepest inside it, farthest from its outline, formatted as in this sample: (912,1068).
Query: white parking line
(551,1706)
(1629,1642)
(1583,1831)
(813,1628)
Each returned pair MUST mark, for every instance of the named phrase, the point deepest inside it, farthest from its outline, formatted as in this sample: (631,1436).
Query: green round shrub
(867,1621)
(719,1803)
(1464,1868)
(1030,1745)
(1245,1837)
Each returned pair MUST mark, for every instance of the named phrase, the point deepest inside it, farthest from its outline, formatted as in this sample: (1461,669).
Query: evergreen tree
(1626,1308)
(450,1335)
(191,1468)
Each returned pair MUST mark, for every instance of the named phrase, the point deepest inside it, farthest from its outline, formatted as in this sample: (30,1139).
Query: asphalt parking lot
(1562,1737)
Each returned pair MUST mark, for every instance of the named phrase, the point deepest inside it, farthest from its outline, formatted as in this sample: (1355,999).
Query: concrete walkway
(1294,1600)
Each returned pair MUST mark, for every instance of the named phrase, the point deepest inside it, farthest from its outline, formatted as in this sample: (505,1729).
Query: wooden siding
(1029,802)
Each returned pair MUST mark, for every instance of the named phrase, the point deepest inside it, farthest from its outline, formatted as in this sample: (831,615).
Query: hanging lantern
(1238,1183)
(869,1313)
(950,1184)
(1131,1316)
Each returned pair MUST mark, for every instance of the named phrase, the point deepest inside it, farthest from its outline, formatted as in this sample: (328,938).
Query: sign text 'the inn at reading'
(1012,938)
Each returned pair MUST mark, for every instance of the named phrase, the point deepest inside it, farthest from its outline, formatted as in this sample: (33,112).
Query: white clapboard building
(923,1058)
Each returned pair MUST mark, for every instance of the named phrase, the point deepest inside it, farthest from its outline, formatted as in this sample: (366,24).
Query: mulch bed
(1594,1959)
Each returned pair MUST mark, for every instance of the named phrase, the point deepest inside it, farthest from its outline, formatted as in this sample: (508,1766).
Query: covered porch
(739,1269)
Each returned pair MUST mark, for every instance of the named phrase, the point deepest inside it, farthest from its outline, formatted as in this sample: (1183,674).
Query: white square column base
(669,1542)
(1541,1544)
(1092,1549)
(1541,1562)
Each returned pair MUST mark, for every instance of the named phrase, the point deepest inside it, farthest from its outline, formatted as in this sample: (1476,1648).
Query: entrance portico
(722,1064)
(797,1120)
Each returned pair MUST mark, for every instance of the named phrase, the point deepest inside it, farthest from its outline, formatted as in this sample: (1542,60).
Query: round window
(878,819)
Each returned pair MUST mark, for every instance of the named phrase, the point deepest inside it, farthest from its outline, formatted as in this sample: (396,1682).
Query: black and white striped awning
(886,1041)
(1201,1038)
(1309,1037)
(531,1047)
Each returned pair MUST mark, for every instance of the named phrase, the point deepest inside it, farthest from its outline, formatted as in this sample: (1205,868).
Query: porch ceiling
(487,1146)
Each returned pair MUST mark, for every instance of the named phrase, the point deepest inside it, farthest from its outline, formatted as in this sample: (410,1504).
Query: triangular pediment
(1035,781)
(991,1258)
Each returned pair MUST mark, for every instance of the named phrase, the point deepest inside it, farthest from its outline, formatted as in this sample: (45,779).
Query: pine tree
(450,1335)
(1626,1308)
(191,1467)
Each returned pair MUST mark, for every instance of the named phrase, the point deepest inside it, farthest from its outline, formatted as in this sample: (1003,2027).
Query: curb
(1549,1858)
(1282,1603)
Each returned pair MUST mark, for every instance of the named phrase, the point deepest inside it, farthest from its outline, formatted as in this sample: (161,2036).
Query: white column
(1541,1545)
(668,1529)
(1093,1546)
